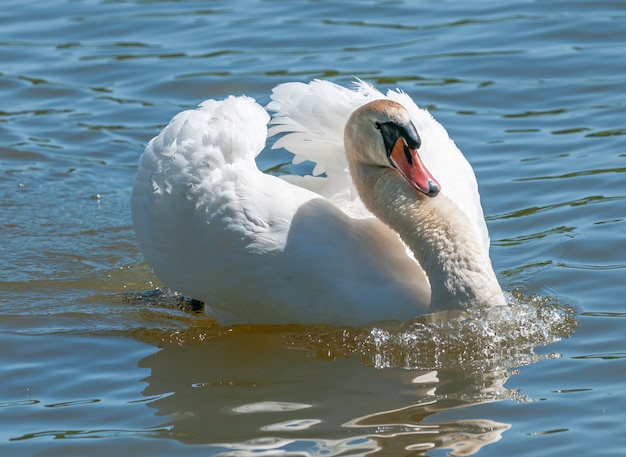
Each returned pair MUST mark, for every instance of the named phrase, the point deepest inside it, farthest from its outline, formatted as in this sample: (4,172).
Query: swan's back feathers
(183,179)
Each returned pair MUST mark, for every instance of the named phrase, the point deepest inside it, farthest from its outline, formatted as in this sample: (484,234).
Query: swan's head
(381,134)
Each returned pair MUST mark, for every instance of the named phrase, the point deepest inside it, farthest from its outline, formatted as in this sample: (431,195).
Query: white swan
(264,250)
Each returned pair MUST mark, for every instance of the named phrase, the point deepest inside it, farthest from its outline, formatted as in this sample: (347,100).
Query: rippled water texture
(97,361)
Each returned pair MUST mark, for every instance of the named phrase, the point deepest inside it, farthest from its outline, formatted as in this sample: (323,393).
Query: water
(532,92)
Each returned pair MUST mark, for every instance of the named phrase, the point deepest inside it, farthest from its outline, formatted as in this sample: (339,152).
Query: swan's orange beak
(409,163)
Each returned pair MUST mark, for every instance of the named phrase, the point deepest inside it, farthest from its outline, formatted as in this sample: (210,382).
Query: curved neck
(441,237)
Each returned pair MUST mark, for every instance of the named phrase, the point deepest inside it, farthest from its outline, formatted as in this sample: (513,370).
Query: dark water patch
(574,174)
(549,432)
(123,101)
(570,130)
(97,434)
(523,239)
(614,356)
(603,314)
(28,402)
(71,403)
(593,199)
(605,133)
(552,112)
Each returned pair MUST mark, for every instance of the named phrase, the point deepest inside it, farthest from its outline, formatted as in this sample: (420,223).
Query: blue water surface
(534,94)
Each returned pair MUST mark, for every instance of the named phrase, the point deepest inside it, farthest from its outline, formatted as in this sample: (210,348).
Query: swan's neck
(442,239)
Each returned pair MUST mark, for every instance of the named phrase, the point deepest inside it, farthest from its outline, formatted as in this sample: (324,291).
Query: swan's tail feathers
(215,133)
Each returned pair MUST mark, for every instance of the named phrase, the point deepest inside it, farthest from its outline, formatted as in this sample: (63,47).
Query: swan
(389,225)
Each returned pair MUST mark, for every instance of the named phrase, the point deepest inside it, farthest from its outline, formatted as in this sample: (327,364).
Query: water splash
(488,339)
(502,337)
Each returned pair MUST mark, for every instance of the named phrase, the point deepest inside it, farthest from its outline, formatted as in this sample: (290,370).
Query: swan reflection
(269,401)
(254,390)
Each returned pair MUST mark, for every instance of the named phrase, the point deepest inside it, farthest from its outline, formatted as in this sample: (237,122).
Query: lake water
(534,93)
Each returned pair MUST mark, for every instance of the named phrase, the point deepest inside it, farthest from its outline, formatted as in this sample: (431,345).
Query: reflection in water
(462,437)
(382,390)
(264,399)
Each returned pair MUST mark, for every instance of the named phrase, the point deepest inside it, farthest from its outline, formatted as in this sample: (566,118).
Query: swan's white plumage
(260,249)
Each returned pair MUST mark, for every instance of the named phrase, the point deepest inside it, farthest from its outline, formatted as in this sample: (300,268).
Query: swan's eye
(377,125)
